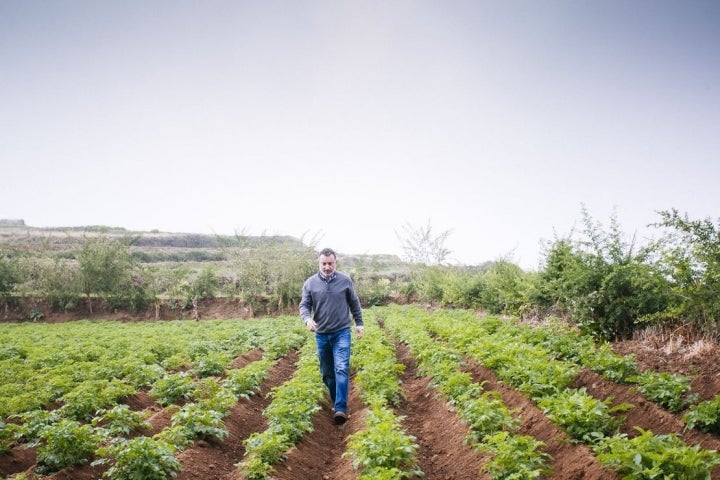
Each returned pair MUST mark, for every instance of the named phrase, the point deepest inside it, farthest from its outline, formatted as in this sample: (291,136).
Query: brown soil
(442,453)
(214,308)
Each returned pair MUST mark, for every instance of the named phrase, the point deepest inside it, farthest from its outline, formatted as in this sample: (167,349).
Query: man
(328,299)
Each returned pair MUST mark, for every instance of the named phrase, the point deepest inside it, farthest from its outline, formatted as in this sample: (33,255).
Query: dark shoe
(340,418)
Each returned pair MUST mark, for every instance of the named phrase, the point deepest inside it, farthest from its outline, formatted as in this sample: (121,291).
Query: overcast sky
(345,120)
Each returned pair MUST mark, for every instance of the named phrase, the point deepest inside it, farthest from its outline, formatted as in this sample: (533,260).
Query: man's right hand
(311,325)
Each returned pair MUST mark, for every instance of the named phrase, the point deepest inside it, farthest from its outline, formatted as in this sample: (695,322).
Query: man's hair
(327,252)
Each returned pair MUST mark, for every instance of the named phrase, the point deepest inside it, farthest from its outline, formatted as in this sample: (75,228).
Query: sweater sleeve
(354,304)
(306,303)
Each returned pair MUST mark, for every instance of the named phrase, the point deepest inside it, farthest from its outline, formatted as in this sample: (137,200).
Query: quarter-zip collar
(327,279)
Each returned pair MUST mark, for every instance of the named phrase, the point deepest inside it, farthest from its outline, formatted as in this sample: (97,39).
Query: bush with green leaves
(704,416)
(602,281)
(691,258)
(8,435)
(382,449)
(88,397)
(263,450)
(10,274)
(105,269)
(120,420)
(485,414)
(58,283)
(212,363)
(514,457)
(65,443)
(140,458)
(172,388)
(246,381)
(666,389)
(200,422)
(583,417)
(614,367)
(649,456)
(377,371)
(33,423)
(269,274)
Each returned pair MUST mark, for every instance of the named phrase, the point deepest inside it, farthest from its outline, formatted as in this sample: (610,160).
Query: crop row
(491,424)
(89,367)
(546,379)
(90,422)
(382,450)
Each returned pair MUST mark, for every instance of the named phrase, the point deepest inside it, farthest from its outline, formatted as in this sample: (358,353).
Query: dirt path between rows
(318,455)
(218,459)
(440,434)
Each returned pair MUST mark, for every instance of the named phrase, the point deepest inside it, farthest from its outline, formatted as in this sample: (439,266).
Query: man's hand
(359,331)
(311,325)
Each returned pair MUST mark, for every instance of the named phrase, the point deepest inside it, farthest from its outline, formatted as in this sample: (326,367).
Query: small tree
(422,246)
(602,281)
(691,251)
(105,267)
(9,274)
(270,270)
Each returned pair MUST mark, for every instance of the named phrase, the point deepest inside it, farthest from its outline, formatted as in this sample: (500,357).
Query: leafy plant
(172,388)
(691,251)
(289,416)
(8,433)
(383,446)
(583,417)
(212,363)
(649,456)
(33,423)
(705,416)
(200,422)
(90,396)
(617,368)
(140,458)
(120,420)
(65,443)
(665,389)
(263,450)
(514,456)
(377,369)
(246,381)
(485,415)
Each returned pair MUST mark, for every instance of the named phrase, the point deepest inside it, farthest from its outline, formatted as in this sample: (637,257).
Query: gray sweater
(330,303)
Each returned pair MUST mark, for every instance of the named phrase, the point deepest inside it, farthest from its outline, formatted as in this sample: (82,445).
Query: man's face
(327,264)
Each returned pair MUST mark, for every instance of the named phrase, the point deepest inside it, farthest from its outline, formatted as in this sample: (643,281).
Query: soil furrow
(217,459)
(440,434)
(319,454)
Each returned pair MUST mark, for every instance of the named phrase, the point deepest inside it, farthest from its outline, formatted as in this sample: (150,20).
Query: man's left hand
(359,331)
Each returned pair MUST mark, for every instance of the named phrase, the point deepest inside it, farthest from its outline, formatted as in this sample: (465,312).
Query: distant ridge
(26,235)
(6,222)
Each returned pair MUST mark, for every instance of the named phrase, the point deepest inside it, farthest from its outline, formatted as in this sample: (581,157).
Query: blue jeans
(334,352)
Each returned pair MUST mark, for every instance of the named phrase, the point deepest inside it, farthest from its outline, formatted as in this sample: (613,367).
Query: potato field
(435,394)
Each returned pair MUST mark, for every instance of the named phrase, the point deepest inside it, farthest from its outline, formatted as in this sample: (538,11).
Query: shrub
(141,458)
(665,389)
(172,388)
(649,456)
(705,416)
(65,443)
